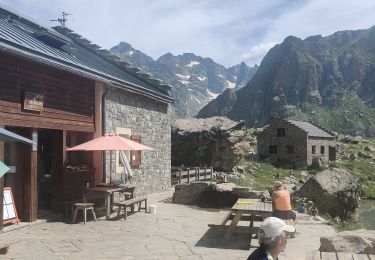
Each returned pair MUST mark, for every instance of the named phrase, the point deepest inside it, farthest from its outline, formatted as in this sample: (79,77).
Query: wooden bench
(317,255)
(222,219)
(130,203)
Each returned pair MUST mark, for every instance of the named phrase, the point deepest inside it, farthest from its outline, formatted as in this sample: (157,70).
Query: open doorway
(44,169)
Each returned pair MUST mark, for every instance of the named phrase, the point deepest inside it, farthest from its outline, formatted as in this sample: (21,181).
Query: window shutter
(135,156)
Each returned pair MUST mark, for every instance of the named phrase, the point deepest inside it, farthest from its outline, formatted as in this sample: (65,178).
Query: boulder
(369,148)
(212,195)
(334,191)
(358,241)
(216,142)
(317,162)
(353,156)
(189,194)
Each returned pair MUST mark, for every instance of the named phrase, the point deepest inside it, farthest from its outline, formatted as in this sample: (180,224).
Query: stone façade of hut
(295,143)
(60,89)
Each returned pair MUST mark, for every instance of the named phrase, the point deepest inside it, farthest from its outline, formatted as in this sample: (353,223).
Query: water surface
(367,214)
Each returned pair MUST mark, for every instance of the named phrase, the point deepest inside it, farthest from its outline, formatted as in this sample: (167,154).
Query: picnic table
(107,192)
(252,209)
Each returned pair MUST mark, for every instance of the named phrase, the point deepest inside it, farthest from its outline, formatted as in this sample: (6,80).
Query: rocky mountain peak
(195,80)
(327,80)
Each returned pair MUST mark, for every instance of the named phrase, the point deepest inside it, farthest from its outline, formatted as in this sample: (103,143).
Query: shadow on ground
(213,239)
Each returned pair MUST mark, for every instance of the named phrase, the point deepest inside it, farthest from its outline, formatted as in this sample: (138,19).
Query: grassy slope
(351,115)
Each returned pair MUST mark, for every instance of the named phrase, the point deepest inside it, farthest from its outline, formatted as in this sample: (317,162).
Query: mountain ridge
(332,76)
(196,80)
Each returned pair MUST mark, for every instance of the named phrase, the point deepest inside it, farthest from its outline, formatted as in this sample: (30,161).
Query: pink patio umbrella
(110,142)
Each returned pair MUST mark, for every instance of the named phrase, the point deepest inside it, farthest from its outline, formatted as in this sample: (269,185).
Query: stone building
(61,90)
(295,143)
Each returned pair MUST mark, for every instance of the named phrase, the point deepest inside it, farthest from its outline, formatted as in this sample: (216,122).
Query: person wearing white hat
(272,236)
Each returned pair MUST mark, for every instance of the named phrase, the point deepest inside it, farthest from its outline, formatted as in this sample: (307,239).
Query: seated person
(301,208)
(281,205)
(313,210)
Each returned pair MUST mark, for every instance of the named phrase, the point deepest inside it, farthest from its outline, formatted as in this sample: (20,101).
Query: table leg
(232,226)
(84,199)
(112,201)
(108,205)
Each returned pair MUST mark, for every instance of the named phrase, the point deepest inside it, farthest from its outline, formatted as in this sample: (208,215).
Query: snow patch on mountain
(184,82)
(231,84)
(193,63)
(211,95)
(201,78)
(183,76)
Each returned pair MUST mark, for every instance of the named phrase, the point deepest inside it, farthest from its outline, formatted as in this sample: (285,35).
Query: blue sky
(228,31)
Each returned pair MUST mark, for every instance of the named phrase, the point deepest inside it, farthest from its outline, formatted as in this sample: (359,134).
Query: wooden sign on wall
(33,101)
(9,207)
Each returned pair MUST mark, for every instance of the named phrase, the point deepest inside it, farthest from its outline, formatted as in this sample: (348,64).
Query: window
(313,149)
(135,156)
(280,132)
(322,149)
(290,149)
(126,133)
(76,158)
(272,149)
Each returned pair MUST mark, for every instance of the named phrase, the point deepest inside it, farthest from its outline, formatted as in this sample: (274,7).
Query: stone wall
(318,143)
(216,142)
(293,136)
(151,120)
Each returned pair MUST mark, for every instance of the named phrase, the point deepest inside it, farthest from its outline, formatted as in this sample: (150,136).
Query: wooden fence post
(212,171)
(205,172)
(188,170)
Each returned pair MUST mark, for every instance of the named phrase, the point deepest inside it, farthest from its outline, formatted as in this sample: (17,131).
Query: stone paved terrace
(175,232)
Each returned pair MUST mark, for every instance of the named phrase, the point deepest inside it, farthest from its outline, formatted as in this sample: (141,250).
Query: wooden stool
(84,207)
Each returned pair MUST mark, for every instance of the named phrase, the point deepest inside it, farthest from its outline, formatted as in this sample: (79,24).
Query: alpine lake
(366,215)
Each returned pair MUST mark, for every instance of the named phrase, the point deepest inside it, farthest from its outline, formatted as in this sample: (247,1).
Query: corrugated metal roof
(9,136)
(18,35)
(311,129)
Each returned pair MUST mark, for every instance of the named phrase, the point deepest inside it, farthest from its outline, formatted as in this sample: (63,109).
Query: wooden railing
(179,175)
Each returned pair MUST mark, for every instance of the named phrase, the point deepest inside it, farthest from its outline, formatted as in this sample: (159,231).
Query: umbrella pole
(110,167)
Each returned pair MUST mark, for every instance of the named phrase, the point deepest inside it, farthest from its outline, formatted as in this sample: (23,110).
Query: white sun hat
(273,226)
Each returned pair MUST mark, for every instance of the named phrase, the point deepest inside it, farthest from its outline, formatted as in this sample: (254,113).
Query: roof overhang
(9,47)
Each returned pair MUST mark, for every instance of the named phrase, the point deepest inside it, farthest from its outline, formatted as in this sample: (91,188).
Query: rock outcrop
(212,195)
(359,241)
(335,192)
(216,142)
(325,80)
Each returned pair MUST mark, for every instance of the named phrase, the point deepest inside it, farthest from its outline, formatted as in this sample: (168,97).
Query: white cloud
(256,53)
(221,30)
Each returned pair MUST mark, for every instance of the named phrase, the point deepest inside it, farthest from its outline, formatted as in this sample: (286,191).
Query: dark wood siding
(69,99)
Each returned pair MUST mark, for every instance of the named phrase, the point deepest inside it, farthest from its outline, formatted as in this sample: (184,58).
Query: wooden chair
(84,207)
